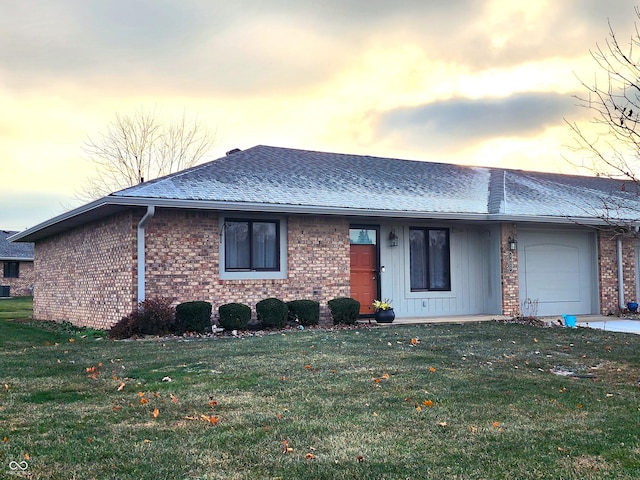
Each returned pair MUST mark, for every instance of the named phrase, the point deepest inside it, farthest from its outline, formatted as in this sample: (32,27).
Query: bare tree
(140,147)
(611,144)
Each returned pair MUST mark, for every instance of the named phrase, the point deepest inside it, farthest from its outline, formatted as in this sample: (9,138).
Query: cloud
(251,46)
(450,124)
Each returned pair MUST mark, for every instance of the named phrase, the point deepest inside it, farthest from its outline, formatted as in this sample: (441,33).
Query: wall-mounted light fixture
(513,244)
(393,238)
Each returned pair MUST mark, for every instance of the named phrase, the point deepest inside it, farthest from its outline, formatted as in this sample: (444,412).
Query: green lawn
(474,401)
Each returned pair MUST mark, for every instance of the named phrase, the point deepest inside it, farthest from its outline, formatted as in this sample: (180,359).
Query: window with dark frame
(251,245)
(11,269)
(430,266)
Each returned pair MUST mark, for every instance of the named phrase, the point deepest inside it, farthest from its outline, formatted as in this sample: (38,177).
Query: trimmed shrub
(154,316)
(234,316)
(344,310)
(272,313)
(305,312)
(193,317)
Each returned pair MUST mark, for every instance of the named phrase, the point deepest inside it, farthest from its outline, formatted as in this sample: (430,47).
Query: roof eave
(97,208)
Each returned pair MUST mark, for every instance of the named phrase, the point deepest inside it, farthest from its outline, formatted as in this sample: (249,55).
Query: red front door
(364,276)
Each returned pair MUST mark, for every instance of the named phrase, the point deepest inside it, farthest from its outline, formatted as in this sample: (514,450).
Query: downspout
(620,276)
(151,210)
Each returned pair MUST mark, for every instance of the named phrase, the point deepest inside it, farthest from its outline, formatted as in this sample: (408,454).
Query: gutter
(151,210)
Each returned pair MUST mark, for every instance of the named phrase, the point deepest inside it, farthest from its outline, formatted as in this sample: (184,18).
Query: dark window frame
(252,267)
(11,270)
(427,230)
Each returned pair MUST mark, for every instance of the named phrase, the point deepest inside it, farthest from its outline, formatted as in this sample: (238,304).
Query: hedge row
(157,316)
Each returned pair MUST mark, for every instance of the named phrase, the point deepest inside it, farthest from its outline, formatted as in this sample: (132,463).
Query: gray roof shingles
(14,251)
(289,180)
(284,176)
(298,177)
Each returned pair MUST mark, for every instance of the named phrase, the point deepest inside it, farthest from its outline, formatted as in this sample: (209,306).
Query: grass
(473,401)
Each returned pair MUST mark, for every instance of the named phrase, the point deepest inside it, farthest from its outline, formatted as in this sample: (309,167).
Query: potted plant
(383,311)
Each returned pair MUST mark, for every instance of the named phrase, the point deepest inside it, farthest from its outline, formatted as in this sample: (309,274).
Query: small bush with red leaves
(154,316)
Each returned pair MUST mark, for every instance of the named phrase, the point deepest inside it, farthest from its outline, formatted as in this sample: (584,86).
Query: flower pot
(632,306)
(384,316)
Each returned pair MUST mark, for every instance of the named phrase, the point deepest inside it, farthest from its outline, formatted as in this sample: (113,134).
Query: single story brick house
(17,267)
(436,239)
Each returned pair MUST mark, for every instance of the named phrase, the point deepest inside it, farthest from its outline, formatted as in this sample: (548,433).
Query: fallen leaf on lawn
(418,408)
(156,412)
(428,403)
(167,379)
(212,420)
(415,341)
(121,386)
(174,399)
(156,395)
(141,394)
(5,440)
(442,424)
(285,447)
(385,376)
(377,380)
(432,369)
(26,456)
(6,386)
(116,408)
(375,414)
(496,424)
(360,458)
(309,456)
(143,401)
(71,340)
(213,403)
(308,367)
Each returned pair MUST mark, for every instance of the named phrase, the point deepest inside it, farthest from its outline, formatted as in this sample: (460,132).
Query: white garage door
(556,269)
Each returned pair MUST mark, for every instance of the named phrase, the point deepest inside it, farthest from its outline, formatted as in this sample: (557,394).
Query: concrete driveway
(610,324)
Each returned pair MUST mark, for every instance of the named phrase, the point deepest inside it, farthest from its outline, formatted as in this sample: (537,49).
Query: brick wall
(509,271)
(182,257)
(21,286)
(85,276)
(608,271)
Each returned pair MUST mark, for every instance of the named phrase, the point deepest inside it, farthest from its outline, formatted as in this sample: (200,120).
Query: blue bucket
(569,320)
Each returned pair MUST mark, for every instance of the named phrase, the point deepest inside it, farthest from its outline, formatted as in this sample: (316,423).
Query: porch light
(513,244)
(393,238)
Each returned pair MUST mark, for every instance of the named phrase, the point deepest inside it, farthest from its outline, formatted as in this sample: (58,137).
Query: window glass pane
(264,248)
(418,260)
(362,236)
(439,274)
(11,269)
(237,245)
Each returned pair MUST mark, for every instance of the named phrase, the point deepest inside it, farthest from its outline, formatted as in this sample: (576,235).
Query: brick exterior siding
(509,271)
(608,271)
(89,275)
(23,285)
(182,258)
(85,275)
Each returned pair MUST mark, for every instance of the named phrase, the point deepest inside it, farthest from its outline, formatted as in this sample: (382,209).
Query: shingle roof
(14,251)
(298,177)
(285,180)
(283,176)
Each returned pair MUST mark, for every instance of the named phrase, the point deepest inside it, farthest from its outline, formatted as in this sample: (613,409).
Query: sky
(473,82)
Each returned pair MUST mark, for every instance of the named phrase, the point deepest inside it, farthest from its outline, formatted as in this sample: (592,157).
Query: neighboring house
(17,267)
(436,239)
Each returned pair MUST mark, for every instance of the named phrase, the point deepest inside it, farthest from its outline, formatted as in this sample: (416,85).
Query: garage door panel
(552,273)
(556,269)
